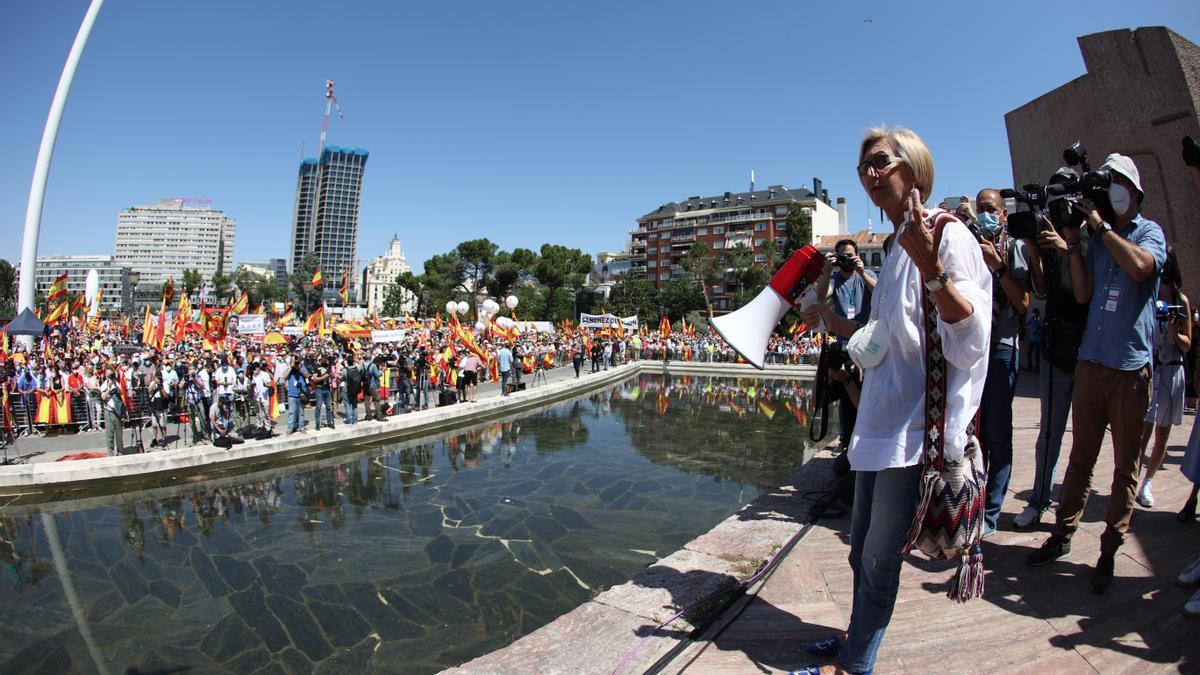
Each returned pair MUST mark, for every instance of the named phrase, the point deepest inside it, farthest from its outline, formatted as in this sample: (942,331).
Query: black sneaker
(1054,548)
(1102,577)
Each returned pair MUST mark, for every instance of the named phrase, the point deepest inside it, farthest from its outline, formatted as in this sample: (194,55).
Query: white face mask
(1120,198)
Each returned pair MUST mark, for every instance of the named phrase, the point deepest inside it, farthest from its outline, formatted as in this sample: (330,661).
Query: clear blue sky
(524,122)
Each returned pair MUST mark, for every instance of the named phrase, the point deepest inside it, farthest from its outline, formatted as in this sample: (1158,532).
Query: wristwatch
(1104,227)
(937,283)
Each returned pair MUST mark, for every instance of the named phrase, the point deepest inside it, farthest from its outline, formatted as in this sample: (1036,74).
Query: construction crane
(331,103)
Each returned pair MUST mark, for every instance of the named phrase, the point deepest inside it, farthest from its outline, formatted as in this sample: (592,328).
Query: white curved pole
(41,172)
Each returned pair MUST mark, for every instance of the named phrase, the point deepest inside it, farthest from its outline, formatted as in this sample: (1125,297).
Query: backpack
(354,378)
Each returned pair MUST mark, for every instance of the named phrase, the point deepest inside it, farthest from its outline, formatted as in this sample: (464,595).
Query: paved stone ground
(1043,620)
(50,447)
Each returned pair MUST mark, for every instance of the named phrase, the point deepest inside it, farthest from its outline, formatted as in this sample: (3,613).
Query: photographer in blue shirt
(1118,278)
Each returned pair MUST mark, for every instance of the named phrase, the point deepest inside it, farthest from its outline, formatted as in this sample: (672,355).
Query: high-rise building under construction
(325,220)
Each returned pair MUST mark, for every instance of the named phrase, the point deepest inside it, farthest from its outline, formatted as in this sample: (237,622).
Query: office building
(379,275)
(160,241)
(114,278)
(272,267)
(325,218)
(754,219)
(1139,96)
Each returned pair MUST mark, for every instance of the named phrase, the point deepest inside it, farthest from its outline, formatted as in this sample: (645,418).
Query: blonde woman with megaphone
(933,256)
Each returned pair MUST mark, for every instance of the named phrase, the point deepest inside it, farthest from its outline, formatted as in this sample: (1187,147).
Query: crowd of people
(91,377)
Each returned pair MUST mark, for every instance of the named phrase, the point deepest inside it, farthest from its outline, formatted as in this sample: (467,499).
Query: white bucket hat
(1125,166)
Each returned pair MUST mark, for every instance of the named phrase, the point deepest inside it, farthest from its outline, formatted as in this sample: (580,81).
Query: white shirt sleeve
(965,342)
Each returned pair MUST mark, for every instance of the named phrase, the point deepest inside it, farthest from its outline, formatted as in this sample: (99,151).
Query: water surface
(409,557)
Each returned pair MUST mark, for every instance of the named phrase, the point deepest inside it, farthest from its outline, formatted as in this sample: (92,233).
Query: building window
(666,235)
(780,241)
(760,227)
(760,257)
(653,236)
(717,290)
(718,244)
(875,259)
(718,230)
(701,231)
(781,210)
(759,242)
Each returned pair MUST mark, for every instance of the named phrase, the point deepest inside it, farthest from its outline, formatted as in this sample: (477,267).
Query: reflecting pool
(408,557)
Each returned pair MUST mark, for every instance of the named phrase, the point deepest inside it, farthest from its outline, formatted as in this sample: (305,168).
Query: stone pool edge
(602,633)
(40,477)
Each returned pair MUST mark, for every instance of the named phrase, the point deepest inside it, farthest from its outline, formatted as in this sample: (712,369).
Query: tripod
(539,375)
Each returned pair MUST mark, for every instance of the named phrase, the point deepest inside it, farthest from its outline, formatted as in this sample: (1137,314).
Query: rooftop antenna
(331,103)
(752,180)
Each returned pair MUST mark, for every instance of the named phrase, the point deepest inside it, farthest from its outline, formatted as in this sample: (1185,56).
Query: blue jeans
(1056,406)
(995,433)
(350,409)
(504,375)
(324,400)
(884,504)
(295,414)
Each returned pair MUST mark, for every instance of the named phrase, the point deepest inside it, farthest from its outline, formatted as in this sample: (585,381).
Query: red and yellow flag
(75,306)
(316,320)
(344,291)
(59,313)
(242,304)
(288,317)
(317,279)
(58,290)
(664,327)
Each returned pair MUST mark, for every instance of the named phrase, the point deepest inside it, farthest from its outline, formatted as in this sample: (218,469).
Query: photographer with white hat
(1118,277)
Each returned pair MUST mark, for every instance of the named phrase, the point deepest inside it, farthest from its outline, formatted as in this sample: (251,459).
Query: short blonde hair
(911,149)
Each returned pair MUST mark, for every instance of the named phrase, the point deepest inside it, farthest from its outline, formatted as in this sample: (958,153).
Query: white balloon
(463,307)
(451,307)
(511,301)
(479,326)
(491,306)
(504,322)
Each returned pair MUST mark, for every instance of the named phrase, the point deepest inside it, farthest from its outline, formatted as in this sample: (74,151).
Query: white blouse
(890,430)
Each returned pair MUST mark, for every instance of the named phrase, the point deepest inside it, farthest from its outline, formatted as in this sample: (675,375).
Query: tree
(222,285)
(8,282)
(304,297)
(703,269)
(799,231)
(562,267)
(630,296)
(742,276)
(266,290)
(680,296)
(511,270)
(191,281)
(478,258)
(406,290)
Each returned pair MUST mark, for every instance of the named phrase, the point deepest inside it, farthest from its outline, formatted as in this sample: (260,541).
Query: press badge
(1110,304)
(850,312)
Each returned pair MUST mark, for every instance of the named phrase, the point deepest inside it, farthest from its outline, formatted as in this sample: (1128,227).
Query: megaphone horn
(748,329)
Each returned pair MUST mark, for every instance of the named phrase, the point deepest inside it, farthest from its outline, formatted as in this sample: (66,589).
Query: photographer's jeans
(1055,388)
(324,401)
(349,410)
(295,414)
(884,504)
(995,433)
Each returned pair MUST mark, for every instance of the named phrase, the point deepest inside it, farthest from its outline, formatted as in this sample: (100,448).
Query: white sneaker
(1191,608)
(1190,576)
(1027,517)
(1145,497)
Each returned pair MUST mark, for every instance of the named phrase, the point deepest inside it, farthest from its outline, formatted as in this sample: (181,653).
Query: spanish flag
(58,290)
(664,327)
(316,320)
(147,328)
(59,313)
(288,317)
(317,279)
(242,304)
(78,304)
(344,291)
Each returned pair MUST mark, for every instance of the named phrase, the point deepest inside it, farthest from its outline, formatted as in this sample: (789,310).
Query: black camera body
(844,261)
(1165,312)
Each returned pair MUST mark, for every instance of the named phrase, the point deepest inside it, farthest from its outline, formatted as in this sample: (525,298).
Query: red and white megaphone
(748,329)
